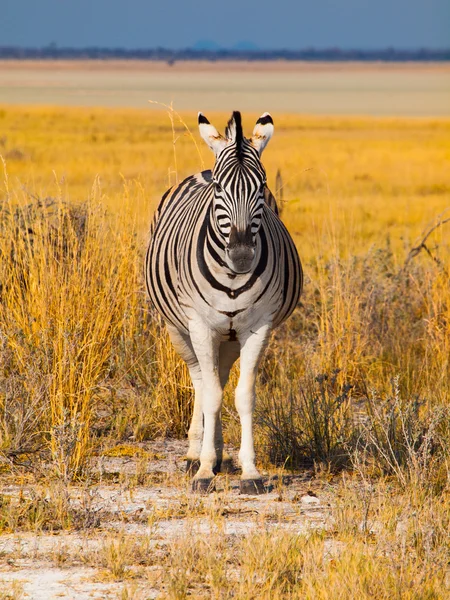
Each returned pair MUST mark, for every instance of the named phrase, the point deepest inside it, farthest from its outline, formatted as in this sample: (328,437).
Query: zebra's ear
(262,133)
(210,134)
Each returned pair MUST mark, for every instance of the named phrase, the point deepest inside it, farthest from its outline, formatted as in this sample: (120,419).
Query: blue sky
(265,23)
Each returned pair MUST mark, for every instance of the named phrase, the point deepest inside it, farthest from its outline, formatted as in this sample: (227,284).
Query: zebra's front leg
(252,349)
(206,346)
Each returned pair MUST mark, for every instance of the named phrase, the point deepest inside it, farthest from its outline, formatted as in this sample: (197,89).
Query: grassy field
(354,389)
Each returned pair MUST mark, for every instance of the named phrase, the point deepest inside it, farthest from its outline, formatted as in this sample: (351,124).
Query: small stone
(310,500)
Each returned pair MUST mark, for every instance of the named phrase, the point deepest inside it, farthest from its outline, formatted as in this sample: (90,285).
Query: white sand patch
(45,582)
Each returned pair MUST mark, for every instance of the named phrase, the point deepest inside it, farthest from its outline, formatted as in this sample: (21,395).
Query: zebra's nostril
(241,257)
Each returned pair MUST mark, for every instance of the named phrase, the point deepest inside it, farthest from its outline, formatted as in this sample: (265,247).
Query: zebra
(223,271)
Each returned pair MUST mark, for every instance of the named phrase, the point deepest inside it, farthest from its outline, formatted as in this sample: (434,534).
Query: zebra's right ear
(210,134)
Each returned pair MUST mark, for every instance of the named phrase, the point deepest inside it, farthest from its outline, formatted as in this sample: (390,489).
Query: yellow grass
(354,180)
(83,354)
(357,379)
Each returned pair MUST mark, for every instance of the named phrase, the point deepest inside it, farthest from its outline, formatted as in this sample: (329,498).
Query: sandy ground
(393,89)
(164,512)
(223,66)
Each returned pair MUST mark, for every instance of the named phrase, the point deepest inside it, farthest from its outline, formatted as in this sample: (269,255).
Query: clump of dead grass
(120,556)
(12,590)
(46,508)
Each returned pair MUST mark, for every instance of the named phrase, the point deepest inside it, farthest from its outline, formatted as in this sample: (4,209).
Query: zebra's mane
(234,131)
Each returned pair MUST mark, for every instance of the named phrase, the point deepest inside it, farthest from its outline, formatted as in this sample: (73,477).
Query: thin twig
(20,451)
(422,246)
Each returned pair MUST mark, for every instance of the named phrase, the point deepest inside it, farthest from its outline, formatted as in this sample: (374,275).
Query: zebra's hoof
(203,486)
(192,466)
(253,487)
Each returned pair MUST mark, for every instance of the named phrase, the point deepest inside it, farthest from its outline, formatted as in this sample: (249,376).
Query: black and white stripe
(221,260)
(193,224)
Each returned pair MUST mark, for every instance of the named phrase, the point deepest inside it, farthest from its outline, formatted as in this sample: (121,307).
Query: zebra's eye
(218,186)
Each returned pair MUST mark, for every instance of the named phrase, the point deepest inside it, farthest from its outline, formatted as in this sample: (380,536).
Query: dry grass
(357,380)
(372,531)
(84,356)
(46,507)
(11,591)
(117,555)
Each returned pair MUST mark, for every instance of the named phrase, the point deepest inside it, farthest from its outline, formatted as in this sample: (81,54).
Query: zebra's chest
(234,305)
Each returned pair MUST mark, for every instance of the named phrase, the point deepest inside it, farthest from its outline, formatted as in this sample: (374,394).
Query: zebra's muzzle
(240,258)
(240,251)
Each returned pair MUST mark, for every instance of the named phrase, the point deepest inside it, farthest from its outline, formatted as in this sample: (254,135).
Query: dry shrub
(371,324)
(302,421)
(66,287)
(46,509)
(406,439)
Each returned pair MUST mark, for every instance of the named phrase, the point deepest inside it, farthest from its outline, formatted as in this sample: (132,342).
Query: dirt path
(71,563)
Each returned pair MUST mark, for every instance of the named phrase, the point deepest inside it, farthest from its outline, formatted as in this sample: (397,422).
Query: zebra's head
(239,180)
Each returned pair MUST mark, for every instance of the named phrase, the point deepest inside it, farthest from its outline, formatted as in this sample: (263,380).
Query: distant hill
(210,46)
(207,45)
(209,50)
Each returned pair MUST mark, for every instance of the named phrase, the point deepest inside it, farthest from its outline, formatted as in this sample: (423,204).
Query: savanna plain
(353,413)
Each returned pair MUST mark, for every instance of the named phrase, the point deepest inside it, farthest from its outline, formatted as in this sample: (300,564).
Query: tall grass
(84,360)
(82,354)
(68,281)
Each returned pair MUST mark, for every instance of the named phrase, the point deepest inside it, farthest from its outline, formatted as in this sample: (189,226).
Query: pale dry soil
(391,89)
(61,564)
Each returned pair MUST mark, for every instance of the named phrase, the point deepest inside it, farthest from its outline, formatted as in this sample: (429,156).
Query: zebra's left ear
(210,134)
(262,133)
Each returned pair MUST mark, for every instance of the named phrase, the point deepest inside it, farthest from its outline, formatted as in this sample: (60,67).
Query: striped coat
(223,271)
(184,268)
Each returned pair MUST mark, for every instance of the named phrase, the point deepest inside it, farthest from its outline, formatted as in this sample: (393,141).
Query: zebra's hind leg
(252,349)
(183,346)
(195,433)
